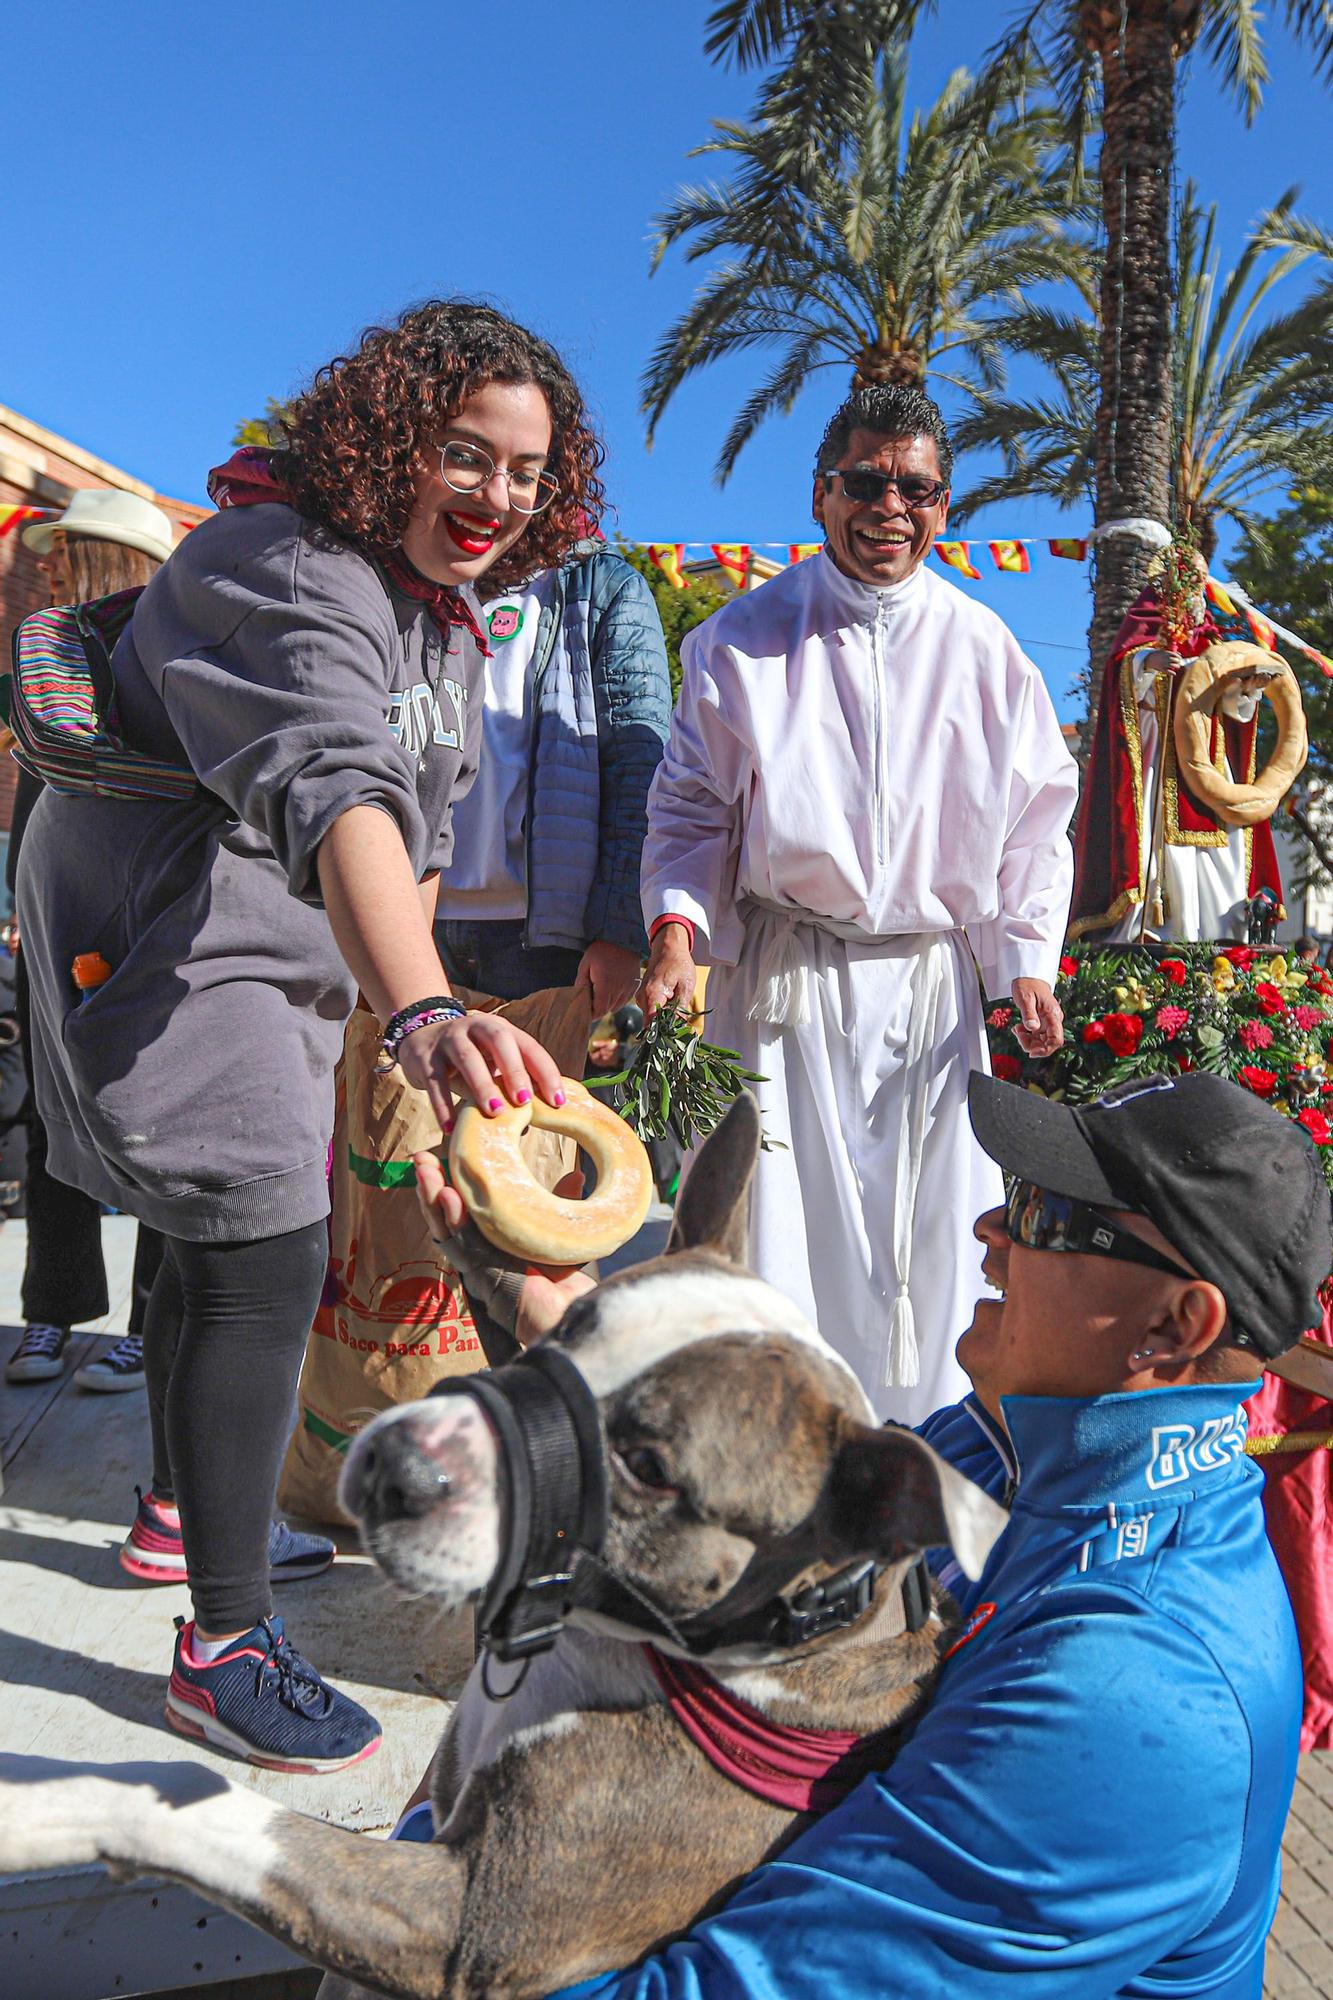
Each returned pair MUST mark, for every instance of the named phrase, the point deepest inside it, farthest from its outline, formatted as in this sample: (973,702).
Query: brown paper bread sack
(394,1319)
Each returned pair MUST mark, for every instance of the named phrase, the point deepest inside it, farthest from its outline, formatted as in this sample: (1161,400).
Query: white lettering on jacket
(1180,1449)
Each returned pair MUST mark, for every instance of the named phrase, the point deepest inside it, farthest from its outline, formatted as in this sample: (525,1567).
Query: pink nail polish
(523,1097)
(559,1098)
(496,1104)
(448,1128)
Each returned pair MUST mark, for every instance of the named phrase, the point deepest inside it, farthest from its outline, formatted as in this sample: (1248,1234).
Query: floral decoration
(1237,1011)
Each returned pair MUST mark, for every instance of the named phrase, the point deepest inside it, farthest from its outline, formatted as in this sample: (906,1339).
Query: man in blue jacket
(1093,1805)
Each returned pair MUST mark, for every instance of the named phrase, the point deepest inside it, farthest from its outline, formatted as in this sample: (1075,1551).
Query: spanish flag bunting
(1070,547)
(1218,598)
(669,556)
(957,555)
(1011,556)
(1264,635)
(798,551)
(13,517)
(734,560)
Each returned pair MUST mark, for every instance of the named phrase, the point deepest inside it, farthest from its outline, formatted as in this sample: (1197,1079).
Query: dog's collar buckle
(829,1606)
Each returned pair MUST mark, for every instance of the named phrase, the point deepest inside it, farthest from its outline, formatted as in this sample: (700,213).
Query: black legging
(224,1334)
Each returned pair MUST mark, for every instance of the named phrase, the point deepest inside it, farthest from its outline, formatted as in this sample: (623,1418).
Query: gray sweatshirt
(193,1088)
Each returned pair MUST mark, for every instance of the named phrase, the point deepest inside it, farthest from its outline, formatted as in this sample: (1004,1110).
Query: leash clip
(829,1606)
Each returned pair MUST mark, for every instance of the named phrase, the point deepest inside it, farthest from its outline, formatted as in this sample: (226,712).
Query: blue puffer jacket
(1093,1805)
(601,707)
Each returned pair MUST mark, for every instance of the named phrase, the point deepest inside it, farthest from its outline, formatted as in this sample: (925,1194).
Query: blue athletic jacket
(1093,1805)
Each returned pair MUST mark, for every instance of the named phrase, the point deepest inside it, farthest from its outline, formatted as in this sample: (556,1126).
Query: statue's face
(882,541)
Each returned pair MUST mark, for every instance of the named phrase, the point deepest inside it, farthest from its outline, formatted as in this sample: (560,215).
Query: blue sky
(203,205)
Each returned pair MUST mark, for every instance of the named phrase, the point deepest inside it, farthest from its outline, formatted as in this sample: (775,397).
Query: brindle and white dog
(578,1824)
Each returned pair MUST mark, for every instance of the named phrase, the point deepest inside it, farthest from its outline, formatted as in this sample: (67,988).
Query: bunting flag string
(958,555)
(669,556)
(1011,555)
(735,558)
(13,517)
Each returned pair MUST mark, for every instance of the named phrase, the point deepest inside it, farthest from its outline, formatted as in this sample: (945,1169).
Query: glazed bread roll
(516,1215)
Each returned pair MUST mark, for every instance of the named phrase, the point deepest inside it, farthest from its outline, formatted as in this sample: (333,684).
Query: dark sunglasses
(1039,1220)
(915,490)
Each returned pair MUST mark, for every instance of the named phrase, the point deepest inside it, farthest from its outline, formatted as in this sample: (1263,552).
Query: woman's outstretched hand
(478,1058)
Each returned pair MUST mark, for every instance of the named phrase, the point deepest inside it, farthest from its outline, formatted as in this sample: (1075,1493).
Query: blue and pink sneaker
(154,1553)
(261,1701)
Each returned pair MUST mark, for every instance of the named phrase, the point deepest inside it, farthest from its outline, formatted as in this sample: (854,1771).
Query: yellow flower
(1224,975)
(1134,997)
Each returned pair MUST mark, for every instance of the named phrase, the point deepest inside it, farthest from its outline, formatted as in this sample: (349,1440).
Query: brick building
(39,469)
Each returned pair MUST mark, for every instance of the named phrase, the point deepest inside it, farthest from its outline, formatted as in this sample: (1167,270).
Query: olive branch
(677,1082)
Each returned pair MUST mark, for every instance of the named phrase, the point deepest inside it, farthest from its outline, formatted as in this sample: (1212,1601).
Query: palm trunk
(1135,40)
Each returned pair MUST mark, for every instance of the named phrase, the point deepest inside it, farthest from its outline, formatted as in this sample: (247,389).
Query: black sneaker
(262,1701)
(39,1356)
(120,1368)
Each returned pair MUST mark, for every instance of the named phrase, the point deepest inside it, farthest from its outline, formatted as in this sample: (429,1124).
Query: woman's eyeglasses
(466,468)
(915,490)
(1039,1220)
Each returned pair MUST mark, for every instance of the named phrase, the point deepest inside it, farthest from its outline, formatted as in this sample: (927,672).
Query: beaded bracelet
(421,1014)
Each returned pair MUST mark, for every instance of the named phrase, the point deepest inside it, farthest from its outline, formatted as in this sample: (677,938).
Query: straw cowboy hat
(107,515)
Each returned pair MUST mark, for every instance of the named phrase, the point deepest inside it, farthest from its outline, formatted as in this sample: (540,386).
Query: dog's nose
(392,1479)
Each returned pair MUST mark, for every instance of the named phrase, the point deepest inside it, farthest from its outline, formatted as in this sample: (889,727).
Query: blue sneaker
(154,1552)
(262,1701)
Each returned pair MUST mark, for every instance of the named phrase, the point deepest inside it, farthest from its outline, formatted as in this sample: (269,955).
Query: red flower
(1255,1035)
(1069,966)
(999,1017)
(1240,955)
(1263,1082)
(1008,1068)
(1123,1033)
(1171,1020)
(1174,970)
(1269,998)
(1307,1018)
(1095,1031)
(1317,1126)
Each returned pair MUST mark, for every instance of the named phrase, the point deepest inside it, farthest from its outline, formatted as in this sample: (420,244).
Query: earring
(1144,1354)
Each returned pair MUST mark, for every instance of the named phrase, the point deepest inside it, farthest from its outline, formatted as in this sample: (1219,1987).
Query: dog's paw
(57,1815)
(52,1815)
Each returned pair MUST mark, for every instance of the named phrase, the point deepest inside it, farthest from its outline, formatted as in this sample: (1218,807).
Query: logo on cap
(1126,1093)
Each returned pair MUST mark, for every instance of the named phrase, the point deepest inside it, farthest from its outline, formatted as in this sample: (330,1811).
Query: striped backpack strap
(63,710)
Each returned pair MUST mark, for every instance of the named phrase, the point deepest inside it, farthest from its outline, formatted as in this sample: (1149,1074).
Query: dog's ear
(712,1212)
(892,1494)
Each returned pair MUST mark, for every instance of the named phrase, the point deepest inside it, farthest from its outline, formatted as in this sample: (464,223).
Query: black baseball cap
(1234,1186)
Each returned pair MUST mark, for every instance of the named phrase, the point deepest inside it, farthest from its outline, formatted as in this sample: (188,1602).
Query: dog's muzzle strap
(555,1495)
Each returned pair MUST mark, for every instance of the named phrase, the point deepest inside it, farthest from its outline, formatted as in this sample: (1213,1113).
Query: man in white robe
(865,797)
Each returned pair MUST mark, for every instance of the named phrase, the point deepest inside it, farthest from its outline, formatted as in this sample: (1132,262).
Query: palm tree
(1121,56)
(1251,401)
(887,259)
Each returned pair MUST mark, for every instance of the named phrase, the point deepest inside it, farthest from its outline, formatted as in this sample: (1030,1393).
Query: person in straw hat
(104,541)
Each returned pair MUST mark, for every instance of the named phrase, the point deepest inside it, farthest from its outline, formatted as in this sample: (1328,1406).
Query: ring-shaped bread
(1197,696)
(515,1214)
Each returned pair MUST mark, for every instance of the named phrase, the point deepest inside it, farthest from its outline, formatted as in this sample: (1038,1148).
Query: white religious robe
(1205,890)
(865,796)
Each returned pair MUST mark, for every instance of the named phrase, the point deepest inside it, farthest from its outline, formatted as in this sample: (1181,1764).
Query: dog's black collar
(780,1623)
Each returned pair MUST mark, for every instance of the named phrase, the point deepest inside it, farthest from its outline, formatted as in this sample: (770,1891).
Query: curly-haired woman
(313,653)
